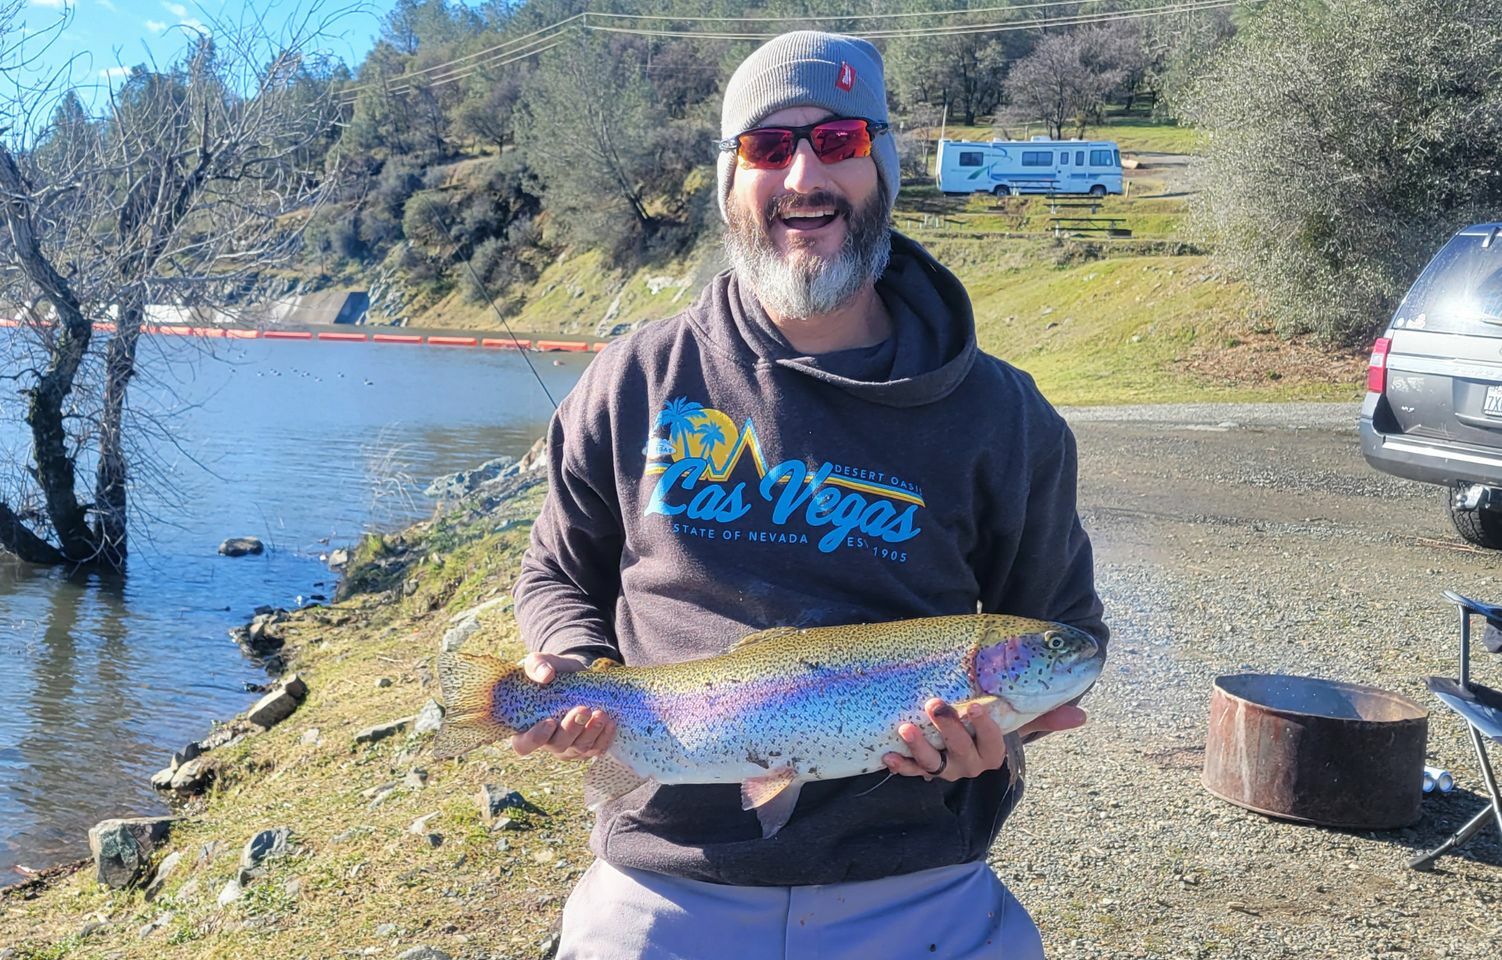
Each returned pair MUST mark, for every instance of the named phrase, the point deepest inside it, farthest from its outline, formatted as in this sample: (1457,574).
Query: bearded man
(816,441)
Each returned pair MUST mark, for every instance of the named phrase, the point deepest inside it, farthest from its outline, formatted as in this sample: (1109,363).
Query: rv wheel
(1099,190)
(1002,190)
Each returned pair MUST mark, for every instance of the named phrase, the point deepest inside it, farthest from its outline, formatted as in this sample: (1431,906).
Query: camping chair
(1480,707)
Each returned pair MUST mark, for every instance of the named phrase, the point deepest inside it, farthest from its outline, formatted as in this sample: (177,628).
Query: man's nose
(805,173)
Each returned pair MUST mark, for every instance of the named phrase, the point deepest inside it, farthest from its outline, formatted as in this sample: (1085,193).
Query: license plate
(1492,405)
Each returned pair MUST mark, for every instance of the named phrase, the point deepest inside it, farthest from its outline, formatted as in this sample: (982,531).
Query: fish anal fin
(607,778)
(773,796)
(763,636)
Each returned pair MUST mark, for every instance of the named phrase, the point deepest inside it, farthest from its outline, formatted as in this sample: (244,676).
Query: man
(815,441)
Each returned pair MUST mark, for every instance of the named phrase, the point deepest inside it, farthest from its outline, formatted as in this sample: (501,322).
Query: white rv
(1039,165)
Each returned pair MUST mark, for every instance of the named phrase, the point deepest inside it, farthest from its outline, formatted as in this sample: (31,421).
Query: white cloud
(56,4)
(155,26)
(108,5)
(115,72)
(193,23)
(176,9)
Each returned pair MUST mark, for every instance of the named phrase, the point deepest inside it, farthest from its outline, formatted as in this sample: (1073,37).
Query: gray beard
(804,286)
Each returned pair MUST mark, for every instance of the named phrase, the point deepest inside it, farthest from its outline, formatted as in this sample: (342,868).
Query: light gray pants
(950,913)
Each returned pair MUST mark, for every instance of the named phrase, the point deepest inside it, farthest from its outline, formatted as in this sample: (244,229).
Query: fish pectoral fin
(1016,759)
(603,663)
(762,636)
(773,796)
(607,778)
(1009,720)
(1000,710)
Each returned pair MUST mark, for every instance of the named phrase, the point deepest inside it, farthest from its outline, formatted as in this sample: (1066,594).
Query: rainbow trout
(783,706)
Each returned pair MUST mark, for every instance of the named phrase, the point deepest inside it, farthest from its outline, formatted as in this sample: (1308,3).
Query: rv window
(1100,158)
(1079,158)
(1064,158)
(970,158)
(1037,158)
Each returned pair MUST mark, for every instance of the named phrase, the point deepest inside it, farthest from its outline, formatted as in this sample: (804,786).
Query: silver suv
(1433,409)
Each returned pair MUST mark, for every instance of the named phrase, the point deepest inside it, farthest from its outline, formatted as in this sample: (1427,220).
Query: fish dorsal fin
(773,796)
(763,636)
(608,778)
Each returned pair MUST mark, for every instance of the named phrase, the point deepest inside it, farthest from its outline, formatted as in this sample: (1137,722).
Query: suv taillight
(1376,368)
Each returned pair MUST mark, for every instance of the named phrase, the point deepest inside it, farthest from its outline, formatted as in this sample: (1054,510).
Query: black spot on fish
(751,757)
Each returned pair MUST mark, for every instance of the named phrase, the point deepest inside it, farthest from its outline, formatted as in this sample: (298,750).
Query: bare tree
(180,193)
(1065,79)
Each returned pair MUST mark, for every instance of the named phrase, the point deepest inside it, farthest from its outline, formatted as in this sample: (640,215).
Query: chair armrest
(1478,705)
(1491,611)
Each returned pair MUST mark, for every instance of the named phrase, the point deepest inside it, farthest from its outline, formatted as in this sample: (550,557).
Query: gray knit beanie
(807,68)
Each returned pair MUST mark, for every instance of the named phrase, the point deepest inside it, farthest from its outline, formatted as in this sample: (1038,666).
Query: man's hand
(581,734)
(965,755)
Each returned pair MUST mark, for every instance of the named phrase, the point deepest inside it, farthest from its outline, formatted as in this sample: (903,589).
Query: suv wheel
(1481,526)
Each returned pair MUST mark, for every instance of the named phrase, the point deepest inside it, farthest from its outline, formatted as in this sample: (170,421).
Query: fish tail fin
(468,682)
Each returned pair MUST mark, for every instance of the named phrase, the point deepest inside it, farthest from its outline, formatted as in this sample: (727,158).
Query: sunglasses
(772,148)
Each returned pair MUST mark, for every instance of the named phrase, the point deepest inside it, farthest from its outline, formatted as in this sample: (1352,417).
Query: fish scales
(785,705)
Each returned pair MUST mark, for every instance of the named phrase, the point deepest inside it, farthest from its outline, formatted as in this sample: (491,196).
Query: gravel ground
(1245,538)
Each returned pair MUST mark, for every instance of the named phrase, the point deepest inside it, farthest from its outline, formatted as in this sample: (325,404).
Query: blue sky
(106,37)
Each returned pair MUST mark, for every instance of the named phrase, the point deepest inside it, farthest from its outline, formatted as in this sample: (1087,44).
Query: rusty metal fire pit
(1316,751)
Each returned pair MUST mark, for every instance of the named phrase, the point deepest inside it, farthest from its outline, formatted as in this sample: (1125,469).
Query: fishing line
(480,286)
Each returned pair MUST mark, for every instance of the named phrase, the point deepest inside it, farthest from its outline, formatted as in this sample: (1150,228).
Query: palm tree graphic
(710,436)
(678,416)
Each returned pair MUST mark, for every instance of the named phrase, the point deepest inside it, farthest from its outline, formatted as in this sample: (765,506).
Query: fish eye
(1053,640)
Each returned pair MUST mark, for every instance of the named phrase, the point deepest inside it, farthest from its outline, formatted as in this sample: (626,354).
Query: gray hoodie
(708,481)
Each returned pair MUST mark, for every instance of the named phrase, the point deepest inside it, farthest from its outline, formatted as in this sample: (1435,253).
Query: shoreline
(187,774)
(359,333)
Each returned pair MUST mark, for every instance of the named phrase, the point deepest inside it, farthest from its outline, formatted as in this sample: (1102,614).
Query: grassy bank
(1095,321)
(357,878)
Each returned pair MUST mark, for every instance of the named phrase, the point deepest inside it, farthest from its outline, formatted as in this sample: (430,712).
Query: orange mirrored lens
(772,148)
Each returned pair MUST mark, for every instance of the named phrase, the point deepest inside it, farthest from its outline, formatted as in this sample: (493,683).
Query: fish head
(1035,665)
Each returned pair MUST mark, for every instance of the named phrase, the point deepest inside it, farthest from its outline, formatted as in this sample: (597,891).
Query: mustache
(781,206)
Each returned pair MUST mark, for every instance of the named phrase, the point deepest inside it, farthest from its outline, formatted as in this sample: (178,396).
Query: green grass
(922,208)
(1132,134)
(1127,330)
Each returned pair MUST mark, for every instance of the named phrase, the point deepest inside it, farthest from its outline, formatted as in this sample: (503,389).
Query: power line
(501,49)
(950,30)
(958,11)
(408,82)
(548,37)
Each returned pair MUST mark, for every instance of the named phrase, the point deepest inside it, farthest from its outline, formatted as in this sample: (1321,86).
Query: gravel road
(1236,538)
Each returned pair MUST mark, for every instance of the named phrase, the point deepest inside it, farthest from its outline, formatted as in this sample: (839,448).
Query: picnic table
(1110,226)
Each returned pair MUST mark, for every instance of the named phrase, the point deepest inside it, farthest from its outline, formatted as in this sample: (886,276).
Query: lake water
(302,444)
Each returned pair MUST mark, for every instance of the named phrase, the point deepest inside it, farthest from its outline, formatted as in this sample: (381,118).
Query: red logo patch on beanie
(846,79)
